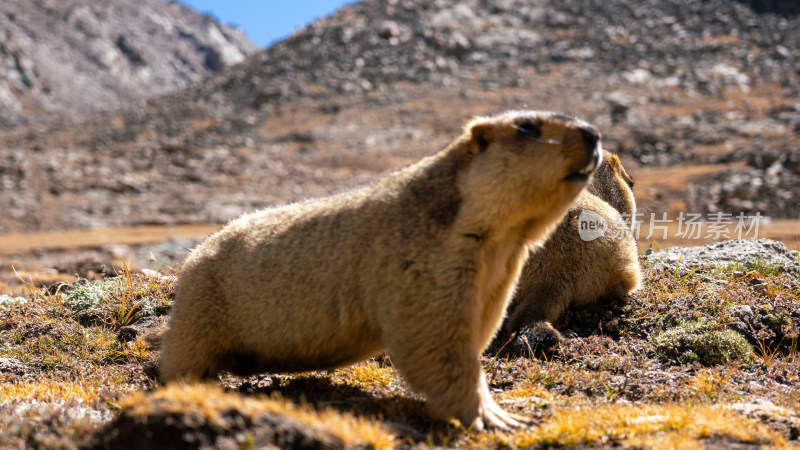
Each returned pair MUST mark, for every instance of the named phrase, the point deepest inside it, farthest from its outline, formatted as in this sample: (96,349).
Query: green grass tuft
(701,341)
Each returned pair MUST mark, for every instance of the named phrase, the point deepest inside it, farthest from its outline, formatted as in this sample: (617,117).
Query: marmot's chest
(499,268)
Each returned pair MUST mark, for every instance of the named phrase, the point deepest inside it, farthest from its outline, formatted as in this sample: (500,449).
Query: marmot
(580,264)
(421,263)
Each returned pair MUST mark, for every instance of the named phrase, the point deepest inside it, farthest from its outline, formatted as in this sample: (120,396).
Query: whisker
(548,141)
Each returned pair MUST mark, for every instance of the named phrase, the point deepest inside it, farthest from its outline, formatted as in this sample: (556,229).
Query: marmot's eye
(530,128)
(630,182)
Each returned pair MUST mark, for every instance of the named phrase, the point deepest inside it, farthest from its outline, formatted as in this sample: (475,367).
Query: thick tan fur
(572,272)
(422,263)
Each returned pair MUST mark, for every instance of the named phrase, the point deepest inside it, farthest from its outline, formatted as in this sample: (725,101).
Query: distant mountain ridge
(80,57)
(369,45)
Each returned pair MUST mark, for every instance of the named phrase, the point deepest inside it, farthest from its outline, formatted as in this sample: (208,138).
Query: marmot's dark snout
(590,137)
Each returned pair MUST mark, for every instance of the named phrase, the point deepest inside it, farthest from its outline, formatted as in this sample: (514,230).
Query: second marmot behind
(591,257)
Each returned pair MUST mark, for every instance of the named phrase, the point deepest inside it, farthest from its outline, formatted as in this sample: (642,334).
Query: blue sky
(266,21)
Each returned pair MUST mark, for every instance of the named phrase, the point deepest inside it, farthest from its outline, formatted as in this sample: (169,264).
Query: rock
(79,57)
(746,252)
(21,416)
(770,186)
(742,312)
(140,328)
(86,268)
(170,252)
(784,420)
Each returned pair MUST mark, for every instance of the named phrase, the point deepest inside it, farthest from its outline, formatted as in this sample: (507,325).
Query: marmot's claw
(494,417)
(477,425)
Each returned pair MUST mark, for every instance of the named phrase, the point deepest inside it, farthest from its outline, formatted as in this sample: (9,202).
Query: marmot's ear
(620,171)
(481,133)
(611,159)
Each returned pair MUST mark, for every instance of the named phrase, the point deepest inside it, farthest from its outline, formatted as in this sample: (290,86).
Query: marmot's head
(525,168)
(613,184)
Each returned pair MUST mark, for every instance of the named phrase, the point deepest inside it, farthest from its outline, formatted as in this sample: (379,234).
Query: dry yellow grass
(369,374)
(670,425)
(47,390)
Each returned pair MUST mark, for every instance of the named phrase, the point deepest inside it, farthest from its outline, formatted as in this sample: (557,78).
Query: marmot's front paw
(492,416)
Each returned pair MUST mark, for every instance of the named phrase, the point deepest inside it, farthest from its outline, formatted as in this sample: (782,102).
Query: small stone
(742,311)
(13,366)
(136,330)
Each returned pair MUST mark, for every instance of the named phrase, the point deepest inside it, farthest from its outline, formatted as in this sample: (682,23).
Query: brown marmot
(421,263)
(592,256)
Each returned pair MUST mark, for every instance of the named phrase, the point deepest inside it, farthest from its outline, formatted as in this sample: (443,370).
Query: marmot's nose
(585,140)
(590,137)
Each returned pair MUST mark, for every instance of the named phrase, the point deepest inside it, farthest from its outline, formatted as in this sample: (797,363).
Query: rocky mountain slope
(379,83)
(82,56)
(698,46)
